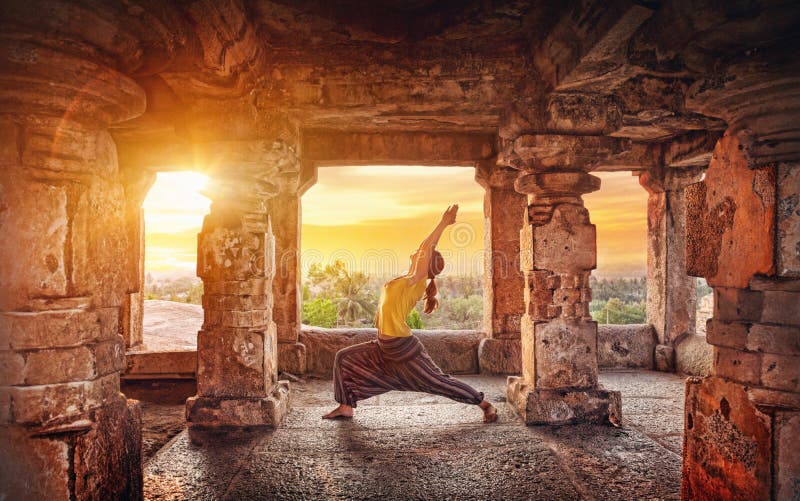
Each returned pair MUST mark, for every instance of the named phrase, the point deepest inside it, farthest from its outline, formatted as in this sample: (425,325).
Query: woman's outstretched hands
(449,216)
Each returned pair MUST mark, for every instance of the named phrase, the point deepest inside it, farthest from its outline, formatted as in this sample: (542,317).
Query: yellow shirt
(398,297)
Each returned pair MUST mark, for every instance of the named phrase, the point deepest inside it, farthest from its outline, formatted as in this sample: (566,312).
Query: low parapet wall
(455,351)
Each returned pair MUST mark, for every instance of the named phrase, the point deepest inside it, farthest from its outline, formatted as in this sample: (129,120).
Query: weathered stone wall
(626,346)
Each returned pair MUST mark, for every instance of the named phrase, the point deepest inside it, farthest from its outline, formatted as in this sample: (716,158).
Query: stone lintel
(538,406)
(220,411)
(331,147)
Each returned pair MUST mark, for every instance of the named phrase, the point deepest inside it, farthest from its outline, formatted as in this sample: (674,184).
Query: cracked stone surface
(418,446)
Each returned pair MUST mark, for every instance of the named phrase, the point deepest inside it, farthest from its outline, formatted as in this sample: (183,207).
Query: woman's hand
(449,216)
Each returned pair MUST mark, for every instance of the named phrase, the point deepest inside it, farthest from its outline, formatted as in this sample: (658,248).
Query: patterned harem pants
(375,367)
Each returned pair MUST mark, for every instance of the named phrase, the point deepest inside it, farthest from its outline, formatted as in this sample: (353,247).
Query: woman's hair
(436,266)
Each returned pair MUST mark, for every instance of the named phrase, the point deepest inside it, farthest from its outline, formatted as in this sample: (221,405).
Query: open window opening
(173,213)
(619,285)
(360,226)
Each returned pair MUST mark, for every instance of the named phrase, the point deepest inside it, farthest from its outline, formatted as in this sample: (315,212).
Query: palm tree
(351,297)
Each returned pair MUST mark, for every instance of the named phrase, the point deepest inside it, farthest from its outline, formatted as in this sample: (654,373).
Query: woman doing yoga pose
(396,360)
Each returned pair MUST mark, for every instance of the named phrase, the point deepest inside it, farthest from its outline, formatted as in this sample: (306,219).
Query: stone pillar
(137,182)
(285,210)
(671,292)
(743,232)
(559,338)
(66,431)
(503,282)
(237,375)
(742,423)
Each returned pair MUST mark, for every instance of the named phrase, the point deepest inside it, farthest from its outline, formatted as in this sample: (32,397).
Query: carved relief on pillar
(237,347)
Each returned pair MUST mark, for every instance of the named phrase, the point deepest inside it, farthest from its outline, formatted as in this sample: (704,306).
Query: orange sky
(373,217)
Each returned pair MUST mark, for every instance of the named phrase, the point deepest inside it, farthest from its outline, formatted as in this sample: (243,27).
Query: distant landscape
(334,296)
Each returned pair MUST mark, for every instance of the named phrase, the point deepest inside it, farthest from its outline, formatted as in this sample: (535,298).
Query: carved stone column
(66,431)
(503,210)
(285,210)
(558,251)
(671,292)
(237,376)
(743,236)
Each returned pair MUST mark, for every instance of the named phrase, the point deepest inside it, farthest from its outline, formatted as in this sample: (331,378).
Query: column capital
(661,179)
(546,152)
(245,174)
(491,175)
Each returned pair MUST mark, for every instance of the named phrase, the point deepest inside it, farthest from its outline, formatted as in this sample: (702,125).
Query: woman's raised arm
(422,258)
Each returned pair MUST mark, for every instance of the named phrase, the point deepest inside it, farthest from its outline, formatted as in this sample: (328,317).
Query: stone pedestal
(559,338)
(671,292)
(504,214)
(237,349)
(66,431)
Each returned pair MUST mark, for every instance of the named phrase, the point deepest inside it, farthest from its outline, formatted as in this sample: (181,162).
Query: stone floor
(408,445)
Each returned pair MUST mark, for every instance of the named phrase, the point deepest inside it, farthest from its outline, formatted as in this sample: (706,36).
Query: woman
(397,360)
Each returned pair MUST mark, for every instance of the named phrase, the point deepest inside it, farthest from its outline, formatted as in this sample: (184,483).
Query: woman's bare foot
(489,412)
(344,411)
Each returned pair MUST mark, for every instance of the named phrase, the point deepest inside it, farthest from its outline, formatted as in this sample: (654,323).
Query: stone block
(558,407)
(565,354)
(265,411)
(727,443)
(42,404)
(292,358)
(567,243)
(787,464)
(727,334)
(664,358)
(60,365)
(33,467)
(231,363)
(161,364)
(729,230)
(48,329)
(693,355)
(108,457)
(742,366)
(110,356)
(774,339)
(780,372)
(500,356)
(229,254)
(32,263)
(625,346)
(738,304)
(12,368)
(781,307)
(788,212)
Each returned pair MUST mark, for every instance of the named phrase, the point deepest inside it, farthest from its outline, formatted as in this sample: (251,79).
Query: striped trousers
(375,367)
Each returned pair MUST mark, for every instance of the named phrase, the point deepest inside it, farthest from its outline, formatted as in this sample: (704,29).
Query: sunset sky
(373,217)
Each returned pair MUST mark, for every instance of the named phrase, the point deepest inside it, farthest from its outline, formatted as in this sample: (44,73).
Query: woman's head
(434,268)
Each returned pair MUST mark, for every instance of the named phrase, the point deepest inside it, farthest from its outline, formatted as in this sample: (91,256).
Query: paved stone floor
(417,446)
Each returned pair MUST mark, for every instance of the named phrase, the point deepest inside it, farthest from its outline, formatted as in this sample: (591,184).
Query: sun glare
(173,213)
